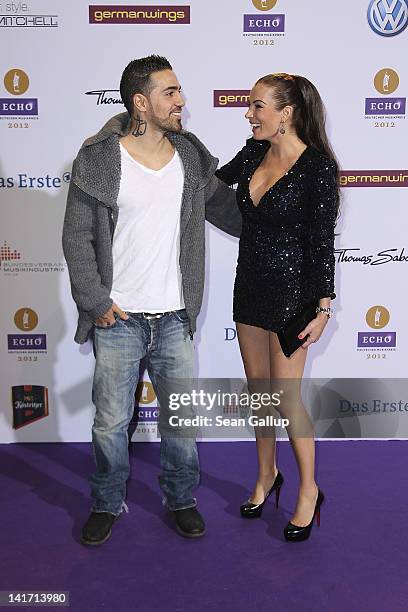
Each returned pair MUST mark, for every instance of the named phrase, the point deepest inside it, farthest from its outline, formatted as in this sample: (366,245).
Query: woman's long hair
(309,115)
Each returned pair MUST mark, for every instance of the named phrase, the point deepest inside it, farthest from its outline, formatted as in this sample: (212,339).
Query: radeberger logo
(26,319)
(30,404)
(138,14)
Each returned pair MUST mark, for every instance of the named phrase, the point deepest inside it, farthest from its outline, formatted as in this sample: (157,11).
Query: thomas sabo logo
(358,256)
(105,97)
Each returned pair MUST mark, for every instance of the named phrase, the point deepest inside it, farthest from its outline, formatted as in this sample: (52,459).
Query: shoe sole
(251,516)
(96,543)
(293,540)
(99,542)
(185,534)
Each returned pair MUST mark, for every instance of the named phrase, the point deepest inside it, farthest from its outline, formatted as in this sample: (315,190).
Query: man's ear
(140,102)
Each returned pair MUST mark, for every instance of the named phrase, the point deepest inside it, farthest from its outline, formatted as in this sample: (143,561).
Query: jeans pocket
(117,318)
(180,315)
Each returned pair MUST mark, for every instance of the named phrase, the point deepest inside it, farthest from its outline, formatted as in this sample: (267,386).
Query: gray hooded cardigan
(92,213)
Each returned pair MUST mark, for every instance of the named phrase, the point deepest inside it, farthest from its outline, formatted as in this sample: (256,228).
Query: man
(133,239)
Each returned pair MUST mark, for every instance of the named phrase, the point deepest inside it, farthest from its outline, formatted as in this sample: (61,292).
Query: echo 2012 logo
(377,318)
(26,320)
(16,83)
(387,109)
(264,27)
(144,397)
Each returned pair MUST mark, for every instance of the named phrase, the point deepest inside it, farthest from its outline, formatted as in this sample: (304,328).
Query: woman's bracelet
(327,311)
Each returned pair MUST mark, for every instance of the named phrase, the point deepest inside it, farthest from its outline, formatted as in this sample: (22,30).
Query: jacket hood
(97,164)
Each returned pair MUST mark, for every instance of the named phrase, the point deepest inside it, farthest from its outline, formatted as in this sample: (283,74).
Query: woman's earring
(282,128)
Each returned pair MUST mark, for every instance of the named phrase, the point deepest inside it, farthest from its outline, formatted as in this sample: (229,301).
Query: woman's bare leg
(254,346)
(300,430)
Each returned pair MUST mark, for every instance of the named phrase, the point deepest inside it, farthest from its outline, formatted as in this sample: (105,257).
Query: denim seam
(193,505)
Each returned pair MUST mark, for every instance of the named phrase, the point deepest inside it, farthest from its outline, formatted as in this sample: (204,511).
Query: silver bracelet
(327,311)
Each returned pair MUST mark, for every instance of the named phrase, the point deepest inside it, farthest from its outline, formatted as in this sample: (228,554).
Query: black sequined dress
(286,249)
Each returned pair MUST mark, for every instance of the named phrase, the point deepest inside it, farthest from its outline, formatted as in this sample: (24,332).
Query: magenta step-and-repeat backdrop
(60,68)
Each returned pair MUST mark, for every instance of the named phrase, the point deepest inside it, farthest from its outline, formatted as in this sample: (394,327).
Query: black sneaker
(98,528)
(189,523)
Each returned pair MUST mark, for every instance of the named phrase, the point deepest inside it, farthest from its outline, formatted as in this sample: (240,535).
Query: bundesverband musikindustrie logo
(12,262)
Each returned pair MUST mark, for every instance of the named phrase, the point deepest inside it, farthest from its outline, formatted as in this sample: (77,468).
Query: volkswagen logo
(388,17)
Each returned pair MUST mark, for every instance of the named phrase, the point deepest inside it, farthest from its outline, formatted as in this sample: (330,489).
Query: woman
(288,197)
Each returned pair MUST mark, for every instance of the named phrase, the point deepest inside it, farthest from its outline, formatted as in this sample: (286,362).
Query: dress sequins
(286,249)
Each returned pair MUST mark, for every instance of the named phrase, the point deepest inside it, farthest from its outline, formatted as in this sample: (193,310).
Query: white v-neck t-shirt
(146,241)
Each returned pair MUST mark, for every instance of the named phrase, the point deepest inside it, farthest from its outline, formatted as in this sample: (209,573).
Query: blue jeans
(168,349)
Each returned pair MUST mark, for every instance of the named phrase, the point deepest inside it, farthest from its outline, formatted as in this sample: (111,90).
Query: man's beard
(166,125)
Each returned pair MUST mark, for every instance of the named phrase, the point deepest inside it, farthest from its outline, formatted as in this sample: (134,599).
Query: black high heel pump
(250,510)
(293,533)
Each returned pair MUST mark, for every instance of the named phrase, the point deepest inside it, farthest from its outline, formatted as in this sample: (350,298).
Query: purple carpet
(356,561)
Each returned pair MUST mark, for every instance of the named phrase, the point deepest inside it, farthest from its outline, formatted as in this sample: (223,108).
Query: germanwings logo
(388,17)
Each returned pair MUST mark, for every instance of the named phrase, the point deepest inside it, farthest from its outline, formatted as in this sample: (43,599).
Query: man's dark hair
(136,77)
